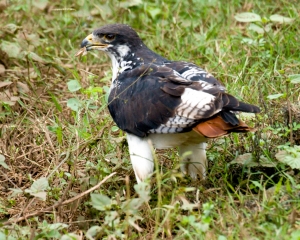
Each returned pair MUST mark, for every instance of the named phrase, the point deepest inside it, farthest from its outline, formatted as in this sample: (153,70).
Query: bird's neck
(126,59)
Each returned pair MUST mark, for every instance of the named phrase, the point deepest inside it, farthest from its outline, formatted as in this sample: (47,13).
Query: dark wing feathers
(172,89)
(232,104)
(150,98)
(137,103)
(229,117)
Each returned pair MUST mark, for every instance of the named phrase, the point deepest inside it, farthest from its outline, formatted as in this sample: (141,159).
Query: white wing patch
(194,104)
(192,72)
(174,125)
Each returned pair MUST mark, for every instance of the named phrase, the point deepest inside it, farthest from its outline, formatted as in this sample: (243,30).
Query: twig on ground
(59,203)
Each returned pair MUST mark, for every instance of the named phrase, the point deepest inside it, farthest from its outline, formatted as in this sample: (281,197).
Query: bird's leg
(141,156)
(193,157)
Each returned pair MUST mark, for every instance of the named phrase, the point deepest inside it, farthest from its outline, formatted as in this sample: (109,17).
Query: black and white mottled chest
(125,58)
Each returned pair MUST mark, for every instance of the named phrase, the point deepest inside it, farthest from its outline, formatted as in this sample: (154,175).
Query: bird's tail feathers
(217,126)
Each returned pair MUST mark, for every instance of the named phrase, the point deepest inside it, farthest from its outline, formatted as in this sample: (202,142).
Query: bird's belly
(170,140)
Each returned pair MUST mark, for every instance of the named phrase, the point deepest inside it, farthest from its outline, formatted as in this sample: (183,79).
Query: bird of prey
(162,104)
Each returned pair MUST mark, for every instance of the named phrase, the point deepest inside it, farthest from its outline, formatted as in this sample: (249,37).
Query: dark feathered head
(116,39)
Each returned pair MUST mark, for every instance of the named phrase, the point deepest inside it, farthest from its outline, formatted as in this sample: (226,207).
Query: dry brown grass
(41,137)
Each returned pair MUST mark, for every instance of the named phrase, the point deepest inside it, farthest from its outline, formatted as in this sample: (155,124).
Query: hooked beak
(91,42)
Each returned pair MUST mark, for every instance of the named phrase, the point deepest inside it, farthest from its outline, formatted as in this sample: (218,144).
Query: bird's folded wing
(157,99)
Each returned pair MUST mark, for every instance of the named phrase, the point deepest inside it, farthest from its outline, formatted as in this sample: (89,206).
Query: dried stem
(59,203)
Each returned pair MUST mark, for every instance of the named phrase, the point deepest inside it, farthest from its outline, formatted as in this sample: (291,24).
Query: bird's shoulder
(193,72)
(181,73)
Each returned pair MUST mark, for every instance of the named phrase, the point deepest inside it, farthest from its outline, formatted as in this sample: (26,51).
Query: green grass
(55,151)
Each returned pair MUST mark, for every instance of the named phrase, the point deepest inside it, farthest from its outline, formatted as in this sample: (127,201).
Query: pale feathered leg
(141,157)
(193,160)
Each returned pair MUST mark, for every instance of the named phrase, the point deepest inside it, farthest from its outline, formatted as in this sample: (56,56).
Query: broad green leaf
(259,29)
(12,49)
(33,56)
(114,128)
(40,4)
(39,185)
(280,19)
(100,202)
(247,159)
(11,28)
(221,237)
(2,162)
(41,195)
(256,28)
(268,27)
(130,3)
(57,226)
(153,11)
(16,191)
(74,104)
(132,204)
(5,237)
(92,232)
(295,78)
(106,89)
(247,17)
(73,85)
(70,236)
(244,159)
(2,236)
(112,218)
(290,156)
(143,190)
(295,235)
(34,39)
(248,40)
(275,96)
(90,90)
(38,188)
(107,92)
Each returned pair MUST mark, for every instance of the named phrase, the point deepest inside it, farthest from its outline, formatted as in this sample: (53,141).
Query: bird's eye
(109,37)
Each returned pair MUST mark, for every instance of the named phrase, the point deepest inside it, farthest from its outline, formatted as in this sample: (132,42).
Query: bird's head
(118,40)
(122,44)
